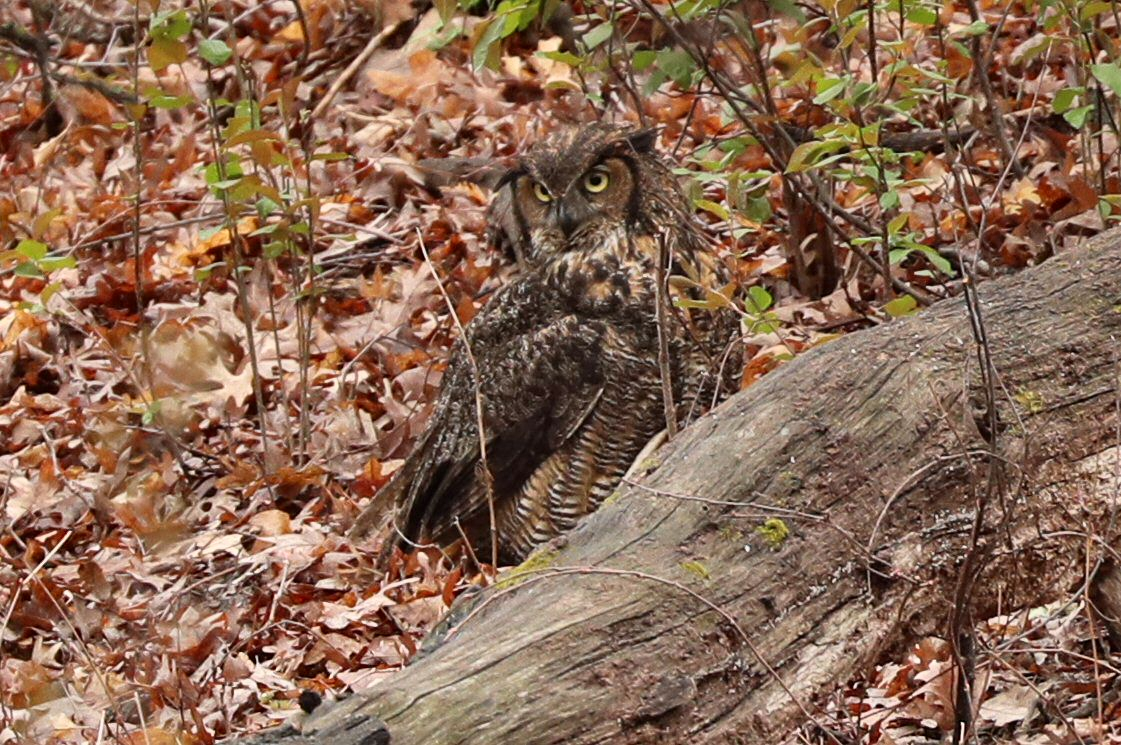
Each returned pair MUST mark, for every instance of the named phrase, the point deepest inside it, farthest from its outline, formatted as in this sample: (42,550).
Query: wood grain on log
(675,619)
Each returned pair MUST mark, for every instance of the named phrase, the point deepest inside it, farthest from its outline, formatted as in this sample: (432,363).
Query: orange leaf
(93,106)
(272,522)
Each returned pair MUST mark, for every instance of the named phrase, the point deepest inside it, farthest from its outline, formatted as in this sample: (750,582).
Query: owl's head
(580,185)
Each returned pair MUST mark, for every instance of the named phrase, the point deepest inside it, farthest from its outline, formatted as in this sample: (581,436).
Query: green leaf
(643,59)
(1108,74)
(203,273)
(275,249)
(151,411)
(49,291)
(51,263)
(909,246)
(1092,9)
(863,93)
(851,35)
(27,269)
(249,109)
(246,187)
(449,34)
(172,25)
(170,102)
(758,209)
(266,229)
(562,84)
(889,200)
(215,51)
(922,16)
(977,28)
(715,208)
(213,174)
(567,58)
(482,57)
(904,305)
(678,65)
(266,206)
(962,49)
(759,299)
(807,155)
(1065,98)
(514,21)
(179,25)
(940,262)
(33,250)
(689,303)
(598,35)
(830,88)
(1077,117)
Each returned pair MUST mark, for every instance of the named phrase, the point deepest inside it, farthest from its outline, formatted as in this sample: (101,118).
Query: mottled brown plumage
(567,353)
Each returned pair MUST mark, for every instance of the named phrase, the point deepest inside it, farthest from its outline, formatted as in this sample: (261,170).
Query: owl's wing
(540,376)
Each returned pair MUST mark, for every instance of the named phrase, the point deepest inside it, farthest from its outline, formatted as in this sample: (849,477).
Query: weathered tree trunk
(687,623)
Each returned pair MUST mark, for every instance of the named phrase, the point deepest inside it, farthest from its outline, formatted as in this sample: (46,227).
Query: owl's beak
(565,218)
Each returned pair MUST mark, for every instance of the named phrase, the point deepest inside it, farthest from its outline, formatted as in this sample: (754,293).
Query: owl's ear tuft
(643,140)
(509,177)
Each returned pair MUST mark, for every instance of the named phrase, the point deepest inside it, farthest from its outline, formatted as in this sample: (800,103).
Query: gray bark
(680,622)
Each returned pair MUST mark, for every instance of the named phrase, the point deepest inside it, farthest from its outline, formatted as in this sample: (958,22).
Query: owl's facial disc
(556,205)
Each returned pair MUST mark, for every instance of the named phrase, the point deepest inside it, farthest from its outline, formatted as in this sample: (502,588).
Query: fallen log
(855,499)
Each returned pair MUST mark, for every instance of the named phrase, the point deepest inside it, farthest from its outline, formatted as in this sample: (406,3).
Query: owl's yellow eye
(596,181)
(540,193)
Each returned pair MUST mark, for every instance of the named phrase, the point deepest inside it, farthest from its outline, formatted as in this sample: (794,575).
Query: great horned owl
(566,355)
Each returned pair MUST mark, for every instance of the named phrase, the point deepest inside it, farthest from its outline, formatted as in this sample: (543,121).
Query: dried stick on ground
(355,65)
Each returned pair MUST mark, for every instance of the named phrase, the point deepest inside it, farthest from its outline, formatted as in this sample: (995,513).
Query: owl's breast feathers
(617,280)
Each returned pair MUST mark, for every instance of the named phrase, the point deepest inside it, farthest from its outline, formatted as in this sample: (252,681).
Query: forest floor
(226,269)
